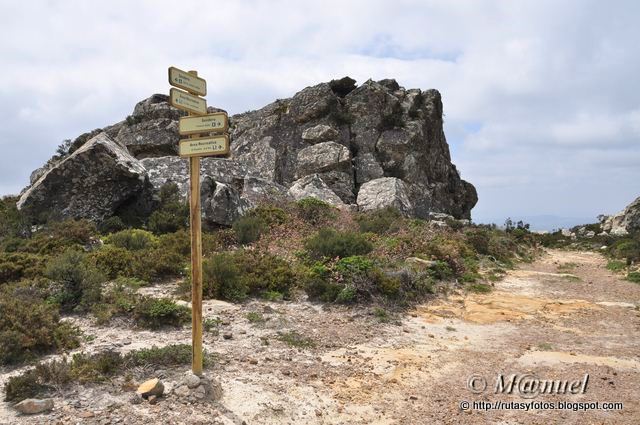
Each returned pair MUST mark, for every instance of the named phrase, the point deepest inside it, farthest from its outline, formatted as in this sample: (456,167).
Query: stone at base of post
(198,388)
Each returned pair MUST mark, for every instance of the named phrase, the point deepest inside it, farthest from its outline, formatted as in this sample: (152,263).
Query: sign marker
(198,122)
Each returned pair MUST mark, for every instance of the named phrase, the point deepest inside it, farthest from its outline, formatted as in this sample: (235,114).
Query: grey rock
(182,391)
(385,192)
(221,203)
(624,222)
(90,183)
(314,187)
(31,406)
(152,129)
(367,168)
(391,132)
(191,380)
(325,156)
(319,133)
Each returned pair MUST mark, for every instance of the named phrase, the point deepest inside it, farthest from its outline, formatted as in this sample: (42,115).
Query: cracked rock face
(374,145)
(90,183)
(385,192)
(624,222)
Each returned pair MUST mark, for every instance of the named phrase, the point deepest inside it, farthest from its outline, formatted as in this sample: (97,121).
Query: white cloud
(542,98)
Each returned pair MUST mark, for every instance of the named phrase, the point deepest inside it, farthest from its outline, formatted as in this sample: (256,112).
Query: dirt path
(559,318)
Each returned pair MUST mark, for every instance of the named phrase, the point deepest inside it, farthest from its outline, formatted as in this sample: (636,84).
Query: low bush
(132,239)
(118,299)
(112,225)
(29,326)
(155,313)
(331,243)
(379,221)
(77,283)
(248,229)
(270,215)
(96,367)
(314,211)
(626,249)
(295,339)
(358,279)
(113,261)
(616,266)
(18,265)
(633,277)
(480,288)
(172,213)
(235,276)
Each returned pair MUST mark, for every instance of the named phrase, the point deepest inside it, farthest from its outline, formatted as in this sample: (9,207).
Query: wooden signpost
(208,144)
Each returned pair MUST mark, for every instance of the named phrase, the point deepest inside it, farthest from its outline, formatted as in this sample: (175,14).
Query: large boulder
(624,222)
(385,192)
(314,187)
(90,183)
(325,156)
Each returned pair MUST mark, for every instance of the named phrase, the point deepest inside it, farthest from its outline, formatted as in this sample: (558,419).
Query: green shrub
(295,339)
(236,276)
(172,213)
(112,225)
(255,317)
(480,288)
(78,282)
(180,243)
(314,211)
(96,367)
(479,239)
(119,298)
(158,264)
(113,261)
(627,249)
(379,221)
(269,214)
(331,243)
(154,313)
(132,239)
(19,265)
(616,266)
(20,387)
(354,264)
(28,327)
(170,355)
(12,222)
(633,277)
(222,278)
(248,229)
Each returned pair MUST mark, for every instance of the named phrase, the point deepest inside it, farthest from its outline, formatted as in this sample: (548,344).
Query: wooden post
(196,261)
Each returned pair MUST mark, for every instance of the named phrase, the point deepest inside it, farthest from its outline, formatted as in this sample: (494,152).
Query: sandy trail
(558,318)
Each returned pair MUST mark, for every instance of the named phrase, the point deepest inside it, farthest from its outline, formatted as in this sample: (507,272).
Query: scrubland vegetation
(275,252)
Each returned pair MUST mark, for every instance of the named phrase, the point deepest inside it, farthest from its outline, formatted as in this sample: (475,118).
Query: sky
(541,98)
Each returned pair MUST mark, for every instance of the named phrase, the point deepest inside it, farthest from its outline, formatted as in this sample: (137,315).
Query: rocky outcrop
(385,192)
(90,183)
(373,145)
(624,222)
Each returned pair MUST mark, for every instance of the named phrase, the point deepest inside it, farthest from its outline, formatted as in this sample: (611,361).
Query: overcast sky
(542,98)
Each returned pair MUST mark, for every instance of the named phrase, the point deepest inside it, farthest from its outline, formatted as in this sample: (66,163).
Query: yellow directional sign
(216,122)
(187,81)
(205,146)
(187,102)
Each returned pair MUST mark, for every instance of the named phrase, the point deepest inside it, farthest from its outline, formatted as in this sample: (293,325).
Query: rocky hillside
(362,147)
(624,222)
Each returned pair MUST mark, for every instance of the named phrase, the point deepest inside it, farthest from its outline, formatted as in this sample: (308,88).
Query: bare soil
(561,317)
